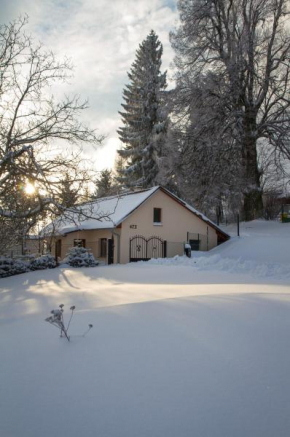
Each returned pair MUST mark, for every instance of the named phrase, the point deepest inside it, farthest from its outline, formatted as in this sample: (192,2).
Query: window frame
(157,211)
(83,242)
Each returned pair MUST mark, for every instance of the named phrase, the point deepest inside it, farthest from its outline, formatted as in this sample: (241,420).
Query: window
(103,253)
(157,215)
(79,243)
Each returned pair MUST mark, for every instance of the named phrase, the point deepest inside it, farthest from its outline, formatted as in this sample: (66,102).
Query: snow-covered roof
(103,213)
(109,212)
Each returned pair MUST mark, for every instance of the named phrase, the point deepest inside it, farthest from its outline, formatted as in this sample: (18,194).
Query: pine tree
(68,196)
(119,167)
(144,116)
(104,185)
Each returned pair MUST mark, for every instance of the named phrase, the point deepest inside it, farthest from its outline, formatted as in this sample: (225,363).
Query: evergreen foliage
(105,184)
(10,266)
(43,262)
(80,257)
(144,116)
(68,195)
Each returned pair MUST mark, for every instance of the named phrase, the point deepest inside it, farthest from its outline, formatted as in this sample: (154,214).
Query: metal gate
(142,249)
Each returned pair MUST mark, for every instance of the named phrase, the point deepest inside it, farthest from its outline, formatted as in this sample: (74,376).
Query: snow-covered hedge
(43,262)
(10,266)
(80,257)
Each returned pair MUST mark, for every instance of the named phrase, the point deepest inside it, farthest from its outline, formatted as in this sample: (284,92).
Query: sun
(29,188)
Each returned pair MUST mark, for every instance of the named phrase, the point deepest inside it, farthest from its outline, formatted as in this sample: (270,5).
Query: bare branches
(32,121)
(233,65)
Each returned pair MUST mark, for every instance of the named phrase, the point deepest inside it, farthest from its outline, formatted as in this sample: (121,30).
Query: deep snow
(194,347)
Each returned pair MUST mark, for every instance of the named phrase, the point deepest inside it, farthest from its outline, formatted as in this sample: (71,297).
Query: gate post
(164,249)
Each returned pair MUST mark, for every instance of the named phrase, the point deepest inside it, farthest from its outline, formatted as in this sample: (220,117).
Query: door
(111,251)
(57,249)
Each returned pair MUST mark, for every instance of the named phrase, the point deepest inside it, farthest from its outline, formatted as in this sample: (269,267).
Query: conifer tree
(144,116)
(104,185)
(68,195)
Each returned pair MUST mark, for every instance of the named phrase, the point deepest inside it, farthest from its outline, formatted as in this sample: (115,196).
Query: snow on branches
(144,116)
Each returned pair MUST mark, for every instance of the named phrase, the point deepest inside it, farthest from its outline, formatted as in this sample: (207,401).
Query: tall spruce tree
(144,116)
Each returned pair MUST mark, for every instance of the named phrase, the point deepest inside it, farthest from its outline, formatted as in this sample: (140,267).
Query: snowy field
(184,347)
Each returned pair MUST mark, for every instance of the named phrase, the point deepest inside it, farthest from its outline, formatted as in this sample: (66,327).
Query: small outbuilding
(139,225)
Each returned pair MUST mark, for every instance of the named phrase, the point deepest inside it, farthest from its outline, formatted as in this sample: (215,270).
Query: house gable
(221,234)
(177,222)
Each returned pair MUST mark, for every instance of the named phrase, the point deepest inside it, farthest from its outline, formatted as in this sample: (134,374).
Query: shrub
(10,266)
(43,262)
(80,257)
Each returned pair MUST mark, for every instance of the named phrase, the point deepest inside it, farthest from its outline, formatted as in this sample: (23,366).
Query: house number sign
(133,226)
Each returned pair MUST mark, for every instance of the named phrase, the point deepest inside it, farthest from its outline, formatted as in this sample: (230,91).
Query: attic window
(157,215)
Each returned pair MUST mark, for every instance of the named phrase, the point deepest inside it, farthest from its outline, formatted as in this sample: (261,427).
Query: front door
(57,249)
(110,251)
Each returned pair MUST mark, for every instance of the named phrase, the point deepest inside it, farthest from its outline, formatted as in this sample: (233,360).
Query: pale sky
(101,38)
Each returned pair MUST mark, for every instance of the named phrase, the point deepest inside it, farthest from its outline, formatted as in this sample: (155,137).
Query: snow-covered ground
(180,348)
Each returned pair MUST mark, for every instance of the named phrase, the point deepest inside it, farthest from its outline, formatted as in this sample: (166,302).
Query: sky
(101,38)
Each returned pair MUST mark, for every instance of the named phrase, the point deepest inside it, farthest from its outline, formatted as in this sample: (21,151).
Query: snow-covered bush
(80,257)
(43,262)
(10,266)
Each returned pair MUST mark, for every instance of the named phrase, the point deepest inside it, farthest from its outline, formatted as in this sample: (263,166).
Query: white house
(135,226)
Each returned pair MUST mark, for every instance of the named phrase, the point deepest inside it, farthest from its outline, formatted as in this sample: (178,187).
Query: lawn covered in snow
(180,348)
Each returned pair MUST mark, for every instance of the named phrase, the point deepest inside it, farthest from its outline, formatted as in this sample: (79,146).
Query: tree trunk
(253,202)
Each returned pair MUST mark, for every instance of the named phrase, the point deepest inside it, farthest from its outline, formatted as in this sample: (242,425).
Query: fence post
(164,249)
(238,224)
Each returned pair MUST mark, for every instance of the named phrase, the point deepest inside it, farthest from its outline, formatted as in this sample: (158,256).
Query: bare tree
(244,46)
(33,123)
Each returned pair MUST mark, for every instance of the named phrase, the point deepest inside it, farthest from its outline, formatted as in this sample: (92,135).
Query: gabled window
(157,215)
